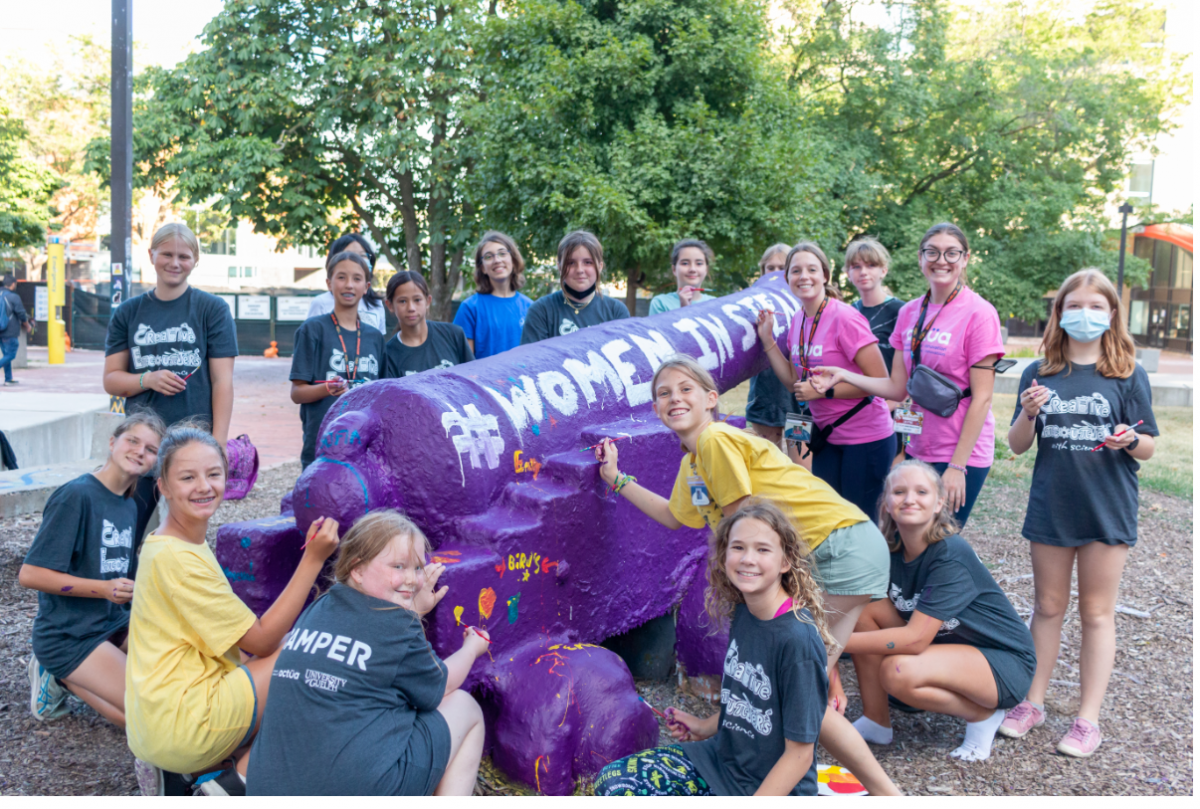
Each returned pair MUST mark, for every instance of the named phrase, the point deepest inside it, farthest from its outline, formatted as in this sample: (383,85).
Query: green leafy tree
(307,117)
(1014,120)
(645,121)
(25,188)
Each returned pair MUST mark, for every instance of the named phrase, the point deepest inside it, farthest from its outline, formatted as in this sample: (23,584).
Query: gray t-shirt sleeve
(306,354)
(116,339)
(421,674)
(537,322)
(218,325)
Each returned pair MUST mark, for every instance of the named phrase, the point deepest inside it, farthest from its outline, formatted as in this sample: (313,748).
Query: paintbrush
(597,446)
(1118,435)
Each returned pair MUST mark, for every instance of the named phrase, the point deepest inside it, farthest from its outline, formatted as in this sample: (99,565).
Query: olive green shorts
(853,561)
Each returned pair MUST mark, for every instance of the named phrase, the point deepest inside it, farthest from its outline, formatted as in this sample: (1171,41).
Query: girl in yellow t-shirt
(190,701)
(724,467)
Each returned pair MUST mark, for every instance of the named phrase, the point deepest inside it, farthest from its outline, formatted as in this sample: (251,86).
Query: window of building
(1162,264)
(1183,269)
(243,272)
(223,245)
(1139,317)
(1180,325)
(1141,179)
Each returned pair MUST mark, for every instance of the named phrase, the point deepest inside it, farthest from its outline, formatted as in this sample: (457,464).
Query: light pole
(1125,210)
(121,149)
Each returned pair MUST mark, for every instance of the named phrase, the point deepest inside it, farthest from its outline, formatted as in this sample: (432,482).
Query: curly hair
(721,596)
(943,524)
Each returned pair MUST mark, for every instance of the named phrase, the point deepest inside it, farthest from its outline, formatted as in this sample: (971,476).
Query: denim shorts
(853,561)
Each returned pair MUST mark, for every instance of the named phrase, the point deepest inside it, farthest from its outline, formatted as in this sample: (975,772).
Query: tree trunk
(412,233)
(633,277)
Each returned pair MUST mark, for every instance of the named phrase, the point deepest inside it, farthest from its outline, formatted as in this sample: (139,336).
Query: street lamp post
(121,181)
(1125,210)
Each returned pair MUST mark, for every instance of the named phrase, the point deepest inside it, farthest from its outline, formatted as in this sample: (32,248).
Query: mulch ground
(1147,720)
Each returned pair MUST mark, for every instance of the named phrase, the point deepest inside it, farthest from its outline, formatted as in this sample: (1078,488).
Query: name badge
(797,427)
(699,491)
(908,421)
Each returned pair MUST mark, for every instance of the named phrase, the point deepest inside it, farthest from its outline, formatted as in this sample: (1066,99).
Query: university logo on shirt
(111,537)
(567,326)
(366,365)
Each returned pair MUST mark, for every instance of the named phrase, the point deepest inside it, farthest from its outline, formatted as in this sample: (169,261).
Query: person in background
(866,263)
(82,563)
(324,366)
(691,259)
(171,350)
(419,344)
(1080,402)
(579,303)
(13,318)
(493,317)
(955,332)
(769,400)
(370,308)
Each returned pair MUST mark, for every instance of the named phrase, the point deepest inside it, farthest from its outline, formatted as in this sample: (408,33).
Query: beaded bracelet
(621,482)
(962,469)
(141,379)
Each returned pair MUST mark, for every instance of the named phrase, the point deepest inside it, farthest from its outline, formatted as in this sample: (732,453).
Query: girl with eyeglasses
(493,317)
(956,333)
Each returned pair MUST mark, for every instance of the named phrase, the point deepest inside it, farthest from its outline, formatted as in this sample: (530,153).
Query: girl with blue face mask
(1080,403)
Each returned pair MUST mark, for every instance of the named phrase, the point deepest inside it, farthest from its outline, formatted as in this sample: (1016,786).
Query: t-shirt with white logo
(181,336)
(773,689)
(320,354)
(349,683)
(1079,496)
(551,316)
(86,531)
(841,333)
(961,336)
(445,346)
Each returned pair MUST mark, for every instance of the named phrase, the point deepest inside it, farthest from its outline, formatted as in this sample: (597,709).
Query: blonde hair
(370,535)
(1117,352)
(943,525)
(688,365)
(779,247)
(721,596)
(175,230)
(869,251)
(826,268)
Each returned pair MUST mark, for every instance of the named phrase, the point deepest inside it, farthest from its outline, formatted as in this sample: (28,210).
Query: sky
(164,31)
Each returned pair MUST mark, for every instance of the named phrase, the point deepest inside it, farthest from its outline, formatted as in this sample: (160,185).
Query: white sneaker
(47,699)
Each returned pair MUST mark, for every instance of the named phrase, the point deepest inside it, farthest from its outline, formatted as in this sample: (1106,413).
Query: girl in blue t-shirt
(493,317)
(82,564)
(946,639)
(1083,500)
(774,687)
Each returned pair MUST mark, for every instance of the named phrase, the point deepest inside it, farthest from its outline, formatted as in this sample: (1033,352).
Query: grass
(1168,472)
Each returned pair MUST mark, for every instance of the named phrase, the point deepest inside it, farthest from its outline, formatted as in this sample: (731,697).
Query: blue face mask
(1085,325)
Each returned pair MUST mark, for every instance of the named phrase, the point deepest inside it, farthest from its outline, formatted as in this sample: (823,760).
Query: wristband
(1133,444)
(621,481)
(953,465)
(141,379)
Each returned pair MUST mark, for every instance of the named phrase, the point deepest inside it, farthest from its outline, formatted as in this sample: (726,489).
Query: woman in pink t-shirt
(861,441)
(958,335)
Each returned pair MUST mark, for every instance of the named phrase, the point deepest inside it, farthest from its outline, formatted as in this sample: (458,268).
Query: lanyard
(350,374)
(806,344)
(920,333)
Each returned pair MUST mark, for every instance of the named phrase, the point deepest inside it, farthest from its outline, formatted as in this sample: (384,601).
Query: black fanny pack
(820,436)
(935,392)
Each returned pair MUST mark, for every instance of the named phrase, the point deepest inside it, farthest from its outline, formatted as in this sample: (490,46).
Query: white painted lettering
(598,371)
(613,350)
(559,391)
(525,404)
(707,359)
(749,335)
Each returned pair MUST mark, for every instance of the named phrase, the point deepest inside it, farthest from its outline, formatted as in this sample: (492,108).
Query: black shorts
(1013,672)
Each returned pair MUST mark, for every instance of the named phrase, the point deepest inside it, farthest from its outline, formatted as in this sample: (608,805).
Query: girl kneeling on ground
(1083,504)
(82,562)
(946,639)
(774,688)
(725,466)
(191,702)
(361,704)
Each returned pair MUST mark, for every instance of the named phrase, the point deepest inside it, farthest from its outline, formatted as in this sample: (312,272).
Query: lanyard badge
(351,370)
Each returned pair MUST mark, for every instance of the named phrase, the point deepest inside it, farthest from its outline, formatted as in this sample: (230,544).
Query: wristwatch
(1134,443)
(829,393)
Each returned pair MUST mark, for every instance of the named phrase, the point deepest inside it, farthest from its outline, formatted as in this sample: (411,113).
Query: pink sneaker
(1021,719)
(1081,740)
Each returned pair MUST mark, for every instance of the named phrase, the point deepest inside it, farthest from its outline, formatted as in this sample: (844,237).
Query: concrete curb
(25,491)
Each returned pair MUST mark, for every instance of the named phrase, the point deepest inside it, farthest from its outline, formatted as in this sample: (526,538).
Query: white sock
(872,731)
(977,743)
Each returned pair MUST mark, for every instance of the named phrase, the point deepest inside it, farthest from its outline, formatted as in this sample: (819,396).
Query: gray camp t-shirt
(445,346)
(87,531)
(181,336)
(949,584)
(319,355)
(345,693)
(551,316)
(1078,496)
(774,687)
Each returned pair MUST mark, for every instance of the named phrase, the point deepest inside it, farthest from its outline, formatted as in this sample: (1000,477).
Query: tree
(645,121)
(1013,120)
(25,188)
(306,117)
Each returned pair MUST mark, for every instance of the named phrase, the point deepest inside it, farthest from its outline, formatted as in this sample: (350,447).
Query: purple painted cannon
(486,457)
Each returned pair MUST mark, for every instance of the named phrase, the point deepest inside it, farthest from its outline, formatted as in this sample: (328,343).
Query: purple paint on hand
(68,589)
